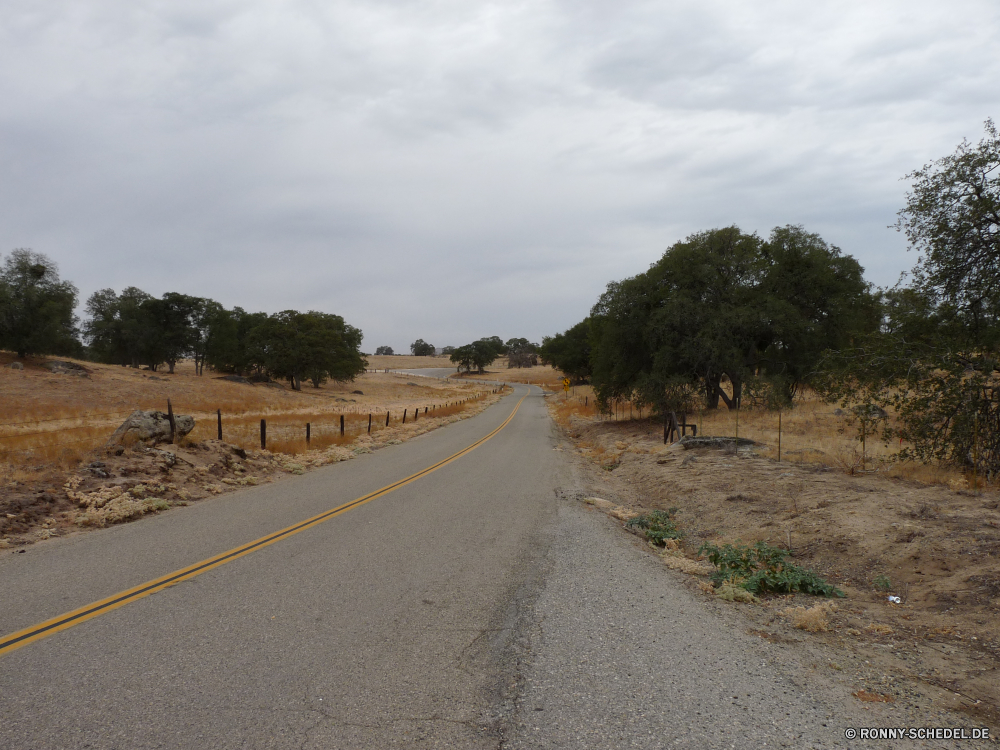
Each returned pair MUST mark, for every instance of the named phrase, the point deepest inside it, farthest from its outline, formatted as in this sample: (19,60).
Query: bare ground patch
(935,548)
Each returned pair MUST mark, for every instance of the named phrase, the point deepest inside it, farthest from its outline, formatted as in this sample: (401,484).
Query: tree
(816,298)
(311,345)
(952,218)
(173,328)
(569,351)
(935,359)
(479,354)
(204,315)
(421,348)
(521,353)
(384,351)
(725,304)
(36,307)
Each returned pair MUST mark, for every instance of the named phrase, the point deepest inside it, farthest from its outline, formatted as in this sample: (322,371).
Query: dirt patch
(936,549)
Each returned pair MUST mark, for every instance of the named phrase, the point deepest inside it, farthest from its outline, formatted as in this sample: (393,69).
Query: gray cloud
(448,170)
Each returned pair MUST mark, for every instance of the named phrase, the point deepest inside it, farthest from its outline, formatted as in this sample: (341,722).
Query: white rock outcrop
(150,427)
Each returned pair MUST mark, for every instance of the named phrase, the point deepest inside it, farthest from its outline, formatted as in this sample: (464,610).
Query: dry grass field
(541,375)
(406,362)
(51,423)
(875,529)
(812,432)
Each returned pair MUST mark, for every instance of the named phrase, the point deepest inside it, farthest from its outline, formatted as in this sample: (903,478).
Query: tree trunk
(737,391)
(170,364)
(719,393)
(712,390)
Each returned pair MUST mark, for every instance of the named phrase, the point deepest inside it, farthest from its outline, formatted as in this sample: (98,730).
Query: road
(480,606)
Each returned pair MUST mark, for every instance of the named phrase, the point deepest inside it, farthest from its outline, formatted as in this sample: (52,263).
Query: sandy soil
(936,548)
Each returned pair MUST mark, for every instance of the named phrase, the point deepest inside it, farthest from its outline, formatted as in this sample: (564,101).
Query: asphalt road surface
(480,606)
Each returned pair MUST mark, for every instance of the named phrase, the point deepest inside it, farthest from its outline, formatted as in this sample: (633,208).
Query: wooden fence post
(369,423)
(341,424)
(387,419)
(218,413)
(308,431)
(263,434)
(170,418)
(416,413)
(779,436)
(404,416)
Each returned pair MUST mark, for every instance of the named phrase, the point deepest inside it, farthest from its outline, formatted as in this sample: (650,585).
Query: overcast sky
(450,170)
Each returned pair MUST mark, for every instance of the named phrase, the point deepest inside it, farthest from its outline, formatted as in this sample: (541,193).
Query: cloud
(448,170)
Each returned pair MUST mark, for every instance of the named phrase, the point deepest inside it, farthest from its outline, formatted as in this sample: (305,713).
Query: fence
(312,429)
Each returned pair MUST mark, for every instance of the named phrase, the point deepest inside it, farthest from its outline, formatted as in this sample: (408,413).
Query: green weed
(762,568)
(657,525)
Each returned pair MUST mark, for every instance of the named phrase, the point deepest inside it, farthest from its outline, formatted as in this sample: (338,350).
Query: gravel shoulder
(626,652)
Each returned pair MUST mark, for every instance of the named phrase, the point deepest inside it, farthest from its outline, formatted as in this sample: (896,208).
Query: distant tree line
(482,353)
(138,330)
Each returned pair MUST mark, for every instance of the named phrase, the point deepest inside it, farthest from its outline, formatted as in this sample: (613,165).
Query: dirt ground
(56,477)
(934,547)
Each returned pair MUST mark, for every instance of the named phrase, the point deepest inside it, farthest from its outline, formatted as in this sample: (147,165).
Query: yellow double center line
(68,620)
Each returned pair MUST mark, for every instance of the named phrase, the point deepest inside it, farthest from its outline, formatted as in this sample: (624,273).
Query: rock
(839,412)
(360,393)
(150,427)
(870,411)
(58,365)
(713,442)
(16,366)
(235,379)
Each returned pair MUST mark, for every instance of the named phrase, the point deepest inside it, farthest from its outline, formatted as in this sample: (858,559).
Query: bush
(762,568)
(658,526)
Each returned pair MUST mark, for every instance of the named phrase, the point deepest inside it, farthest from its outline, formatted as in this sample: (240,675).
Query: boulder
(57,367)
(150,427)
(16,366)
(870,411)
(707,441)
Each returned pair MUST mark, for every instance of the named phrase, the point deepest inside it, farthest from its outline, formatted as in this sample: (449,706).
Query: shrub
(762,568)
(657,525)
